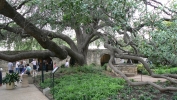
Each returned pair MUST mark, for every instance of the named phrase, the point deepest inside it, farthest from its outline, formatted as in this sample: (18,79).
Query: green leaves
(89,85)
(11,78)
(161,46)
(96,86)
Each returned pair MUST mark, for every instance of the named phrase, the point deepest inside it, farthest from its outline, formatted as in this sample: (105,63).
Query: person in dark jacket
(0,76)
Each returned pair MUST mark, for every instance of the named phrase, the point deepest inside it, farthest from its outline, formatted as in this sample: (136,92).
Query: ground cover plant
(91,83)
(166,70)
(84,83)
(158,69)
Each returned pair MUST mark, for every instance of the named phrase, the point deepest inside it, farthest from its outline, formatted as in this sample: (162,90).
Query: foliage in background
(161,69)
(161,45)
(166,70)
(141,69)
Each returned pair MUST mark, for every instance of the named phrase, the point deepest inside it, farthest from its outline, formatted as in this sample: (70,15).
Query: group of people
(22,67)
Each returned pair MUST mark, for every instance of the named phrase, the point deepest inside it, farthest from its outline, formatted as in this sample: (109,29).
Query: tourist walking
(10,67)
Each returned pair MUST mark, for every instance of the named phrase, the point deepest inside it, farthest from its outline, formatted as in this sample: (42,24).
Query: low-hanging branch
(117,54)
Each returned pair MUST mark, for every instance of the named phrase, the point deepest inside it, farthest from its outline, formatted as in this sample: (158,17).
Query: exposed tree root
(116,53)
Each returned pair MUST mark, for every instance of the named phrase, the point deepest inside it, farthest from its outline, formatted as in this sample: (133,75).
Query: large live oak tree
(31,17)
(90,20)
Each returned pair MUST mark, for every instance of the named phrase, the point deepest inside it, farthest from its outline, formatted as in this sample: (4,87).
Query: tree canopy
(147,33)
(44,21)
(36,24)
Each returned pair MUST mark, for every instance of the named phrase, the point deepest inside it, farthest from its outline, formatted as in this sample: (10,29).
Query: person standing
(0,76)
(46,66)
(34,62)
(16,66)
(21,67)
(67,63)
(54,65)
(10,67)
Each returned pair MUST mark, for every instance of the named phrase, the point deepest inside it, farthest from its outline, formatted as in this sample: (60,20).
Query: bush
(141,69)
(164,70)
(105,66)
(85,84)
(84,69)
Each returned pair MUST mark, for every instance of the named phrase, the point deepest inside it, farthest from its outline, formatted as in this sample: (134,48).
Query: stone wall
(127,69)
(3,64)
(94,56)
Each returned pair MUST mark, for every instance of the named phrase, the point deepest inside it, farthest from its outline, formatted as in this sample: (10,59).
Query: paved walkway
(146,78)
(19,93)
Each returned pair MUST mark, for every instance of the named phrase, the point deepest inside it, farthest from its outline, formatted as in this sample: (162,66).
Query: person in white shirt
(34,62)
(16,66)
(67,63)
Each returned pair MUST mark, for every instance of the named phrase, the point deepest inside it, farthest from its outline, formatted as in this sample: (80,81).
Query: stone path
(146,78)
(19,93)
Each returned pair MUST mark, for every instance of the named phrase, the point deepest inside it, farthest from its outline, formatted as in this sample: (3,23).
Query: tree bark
(46,43)
(121,55)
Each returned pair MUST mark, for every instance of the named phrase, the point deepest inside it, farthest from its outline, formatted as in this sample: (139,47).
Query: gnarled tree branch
(117,54)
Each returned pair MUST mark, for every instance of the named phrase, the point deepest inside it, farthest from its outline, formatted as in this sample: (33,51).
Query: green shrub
(94,86)
(140,68)
(105,66)
(85,69)
(174,97)
(165,70)
(47,83)
(85,86)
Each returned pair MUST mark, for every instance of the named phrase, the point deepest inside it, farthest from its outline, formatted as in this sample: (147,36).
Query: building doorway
(104,59)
